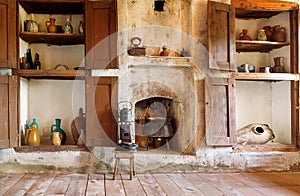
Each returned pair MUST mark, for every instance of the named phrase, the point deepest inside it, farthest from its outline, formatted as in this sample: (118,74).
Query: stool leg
(116,168)
(131,168)
(167,142)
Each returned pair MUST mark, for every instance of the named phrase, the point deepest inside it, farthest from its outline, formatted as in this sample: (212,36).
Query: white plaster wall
(281,111)
(265,102)
(254,103)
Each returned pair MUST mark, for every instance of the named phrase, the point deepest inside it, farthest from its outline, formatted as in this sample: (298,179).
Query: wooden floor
(253,184)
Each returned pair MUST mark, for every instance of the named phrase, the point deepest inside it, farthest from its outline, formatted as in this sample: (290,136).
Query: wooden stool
(124,155)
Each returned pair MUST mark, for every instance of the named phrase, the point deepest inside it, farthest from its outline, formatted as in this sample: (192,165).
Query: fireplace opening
(157,121)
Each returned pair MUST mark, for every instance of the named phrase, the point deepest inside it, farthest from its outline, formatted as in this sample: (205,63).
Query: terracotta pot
(244,35)
(268,32)
(278,34)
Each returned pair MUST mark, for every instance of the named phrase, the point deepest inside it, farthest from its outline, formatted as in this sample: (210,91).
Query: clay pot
(268,32)
(278,34)
(244,35)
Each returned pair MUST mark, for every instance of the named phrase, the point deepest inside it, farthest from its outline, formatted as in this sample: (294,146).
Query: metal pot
(125,111)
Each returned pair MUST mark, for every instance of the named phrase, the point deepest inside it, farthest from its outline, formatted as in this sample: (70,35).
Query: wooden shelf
(51,74)
(52,38)
(50,148)
(246,14)
(258,46)
(53,6)
(265,76)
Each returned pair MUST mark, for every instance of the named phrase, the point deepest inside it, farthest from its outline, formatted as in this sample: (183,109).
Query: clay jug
(278,34)
(278,67)
(261,35)
(33,136)
(51,28)
(56,128)
(268,32)
(56,138)
(244,35)
(78,125)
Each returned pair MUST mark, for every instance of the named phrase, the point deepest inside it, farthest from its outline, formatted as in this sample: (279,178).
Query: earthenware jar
(244,35)
(33,136)
(56,128)
(268,32)
(51,28)
(278,34)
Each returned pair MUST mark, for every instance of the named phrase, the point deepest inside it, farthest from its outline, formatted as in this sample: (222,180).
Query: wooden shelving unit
(52,38)
(265,76)
(50,148)
(258,46)
(52,74)
(53,7)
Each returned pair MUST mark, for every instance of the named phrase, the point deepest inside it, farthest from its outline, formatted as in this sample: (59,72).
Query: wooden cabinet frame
(221,47)
(8,112)
(101,122)
(220,111)
(8,37)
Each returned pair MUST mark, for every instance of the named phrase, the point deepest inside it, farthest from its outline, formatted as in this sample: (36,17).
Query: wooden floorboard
(216,184)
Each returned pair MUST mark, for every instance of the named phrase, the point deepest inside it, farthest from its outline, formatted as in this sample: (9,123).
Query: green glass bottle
(37,63)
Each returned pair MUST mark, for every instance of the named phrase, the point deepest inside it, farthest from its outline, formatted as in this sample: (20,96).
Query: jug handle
(282,28)
(52,127)
(241,34)
(47,23)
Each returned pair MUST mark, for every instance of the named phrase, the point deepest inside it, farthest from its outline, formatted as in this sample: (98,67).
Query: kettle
(125,112)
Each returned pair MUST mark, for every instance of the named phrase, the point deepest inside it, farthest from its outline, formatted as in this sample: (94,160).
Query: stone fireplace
(167,90)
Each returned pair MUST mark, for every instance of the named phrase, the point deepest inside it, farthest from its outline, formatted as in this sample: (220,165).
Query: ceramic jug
(51,28)
(268,32)
(56,128)
(33,136)
(261,35)
(278,67)
(278,34)
(244,35)
(56,139)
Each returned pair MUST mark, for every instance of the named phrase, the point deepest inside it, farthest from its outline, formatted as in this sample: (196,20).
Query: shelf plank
(53,7)
(52,38)
(52,74)
(258,46)
(264,6)
(51,148)
(265,76)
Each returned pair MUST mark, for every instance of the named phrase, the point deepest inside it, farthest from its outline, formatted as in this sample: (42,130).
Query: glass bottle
(37,63)
(80,27)
(34,26)
(29,58)
(34,122)
(68,28)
